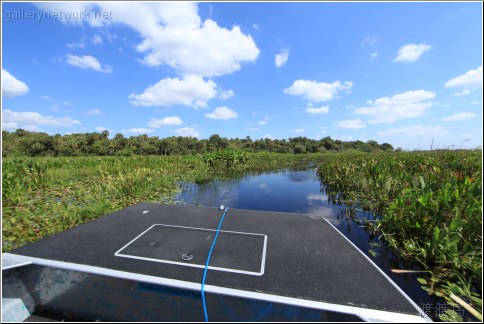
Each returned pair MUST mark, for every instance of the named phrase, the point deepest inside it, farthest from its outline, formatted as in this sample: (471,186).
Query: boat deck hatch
(189,246)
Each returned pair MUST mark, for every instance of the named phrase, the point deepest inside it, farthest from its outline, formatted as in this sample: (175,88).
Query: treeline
(24,143)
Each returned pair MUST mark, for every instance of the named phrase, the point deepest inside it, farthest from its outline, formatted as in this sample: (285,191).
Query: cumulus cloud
(190,91)
(88,62)
(174,35)
(33,118)
(187,132)
(11,86)
(167,121)
(281,58)
(314,91)
(350,124)
(314,111)
(224,113)
(417,130)
(299,130)
(467,82)
(226,94)
(387,110)
(459,117)
(201,49)
(411,52)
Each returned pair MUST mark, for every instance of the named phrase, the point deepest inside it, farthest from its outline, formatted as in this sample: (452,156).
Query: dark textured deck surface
(306,257)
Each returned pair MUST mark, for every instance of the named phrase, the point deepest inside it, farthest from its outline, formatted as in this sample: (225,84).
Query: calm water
(299,190)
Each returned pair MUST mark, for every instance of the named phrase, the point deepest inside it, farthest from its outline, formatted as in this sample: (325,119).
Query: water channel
(298,189)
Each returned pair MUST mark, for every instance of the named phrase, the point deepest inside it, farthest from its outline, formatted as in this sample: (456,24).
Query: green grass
(43,196)
(430,212)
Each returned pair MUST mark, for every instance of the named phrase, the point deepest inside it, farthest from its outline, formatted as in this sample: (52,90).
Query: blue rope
(206,265)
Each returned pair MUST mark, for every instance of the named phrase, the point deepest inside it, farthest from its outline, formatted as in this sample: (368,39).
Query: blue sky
(409,74)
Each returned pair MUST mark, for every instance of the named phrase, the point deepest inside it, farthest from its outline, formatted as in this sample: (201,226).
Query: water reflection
(299,190)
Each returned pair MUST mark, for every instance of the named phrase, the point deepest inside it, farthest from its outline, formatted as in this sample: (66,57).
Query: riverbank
(44,196)
(430,208)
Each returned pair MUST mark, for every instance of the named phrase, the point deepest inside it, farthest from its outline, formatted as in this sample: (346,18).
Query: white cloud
(269,136)
(459,117)
(264,120)
(299,130)
(314,111)
(9,125)
(101,129)
(413,131)
(79,45)
(464,92)
(471,80)
(191,47)
(174,35)
(281,58)
(96,40)
(350,124)
(33,118)
(88,62)
(386,110)
(139,131)
(317,91)
(11,87)
(373,55)
(255,26)
(45,98)
(69,13)
(190,91)
(167,121)
(187,132)
(370,40)
(411,52)
(224,113)
(93,112)
(226,94)
(31,128)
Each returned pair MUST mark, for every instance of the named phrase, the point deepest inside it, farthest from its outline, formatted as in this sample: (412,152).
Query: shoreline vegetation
(42,196)
(24,143)
(429,203)
(430,213)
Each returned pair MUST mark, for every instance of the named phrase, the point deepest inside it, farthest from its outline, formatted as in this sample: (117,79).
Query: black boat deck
(278,254)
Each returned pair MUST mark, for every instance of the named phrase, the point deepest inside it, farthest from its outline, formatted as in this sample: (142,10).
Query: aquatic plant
(430,211)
